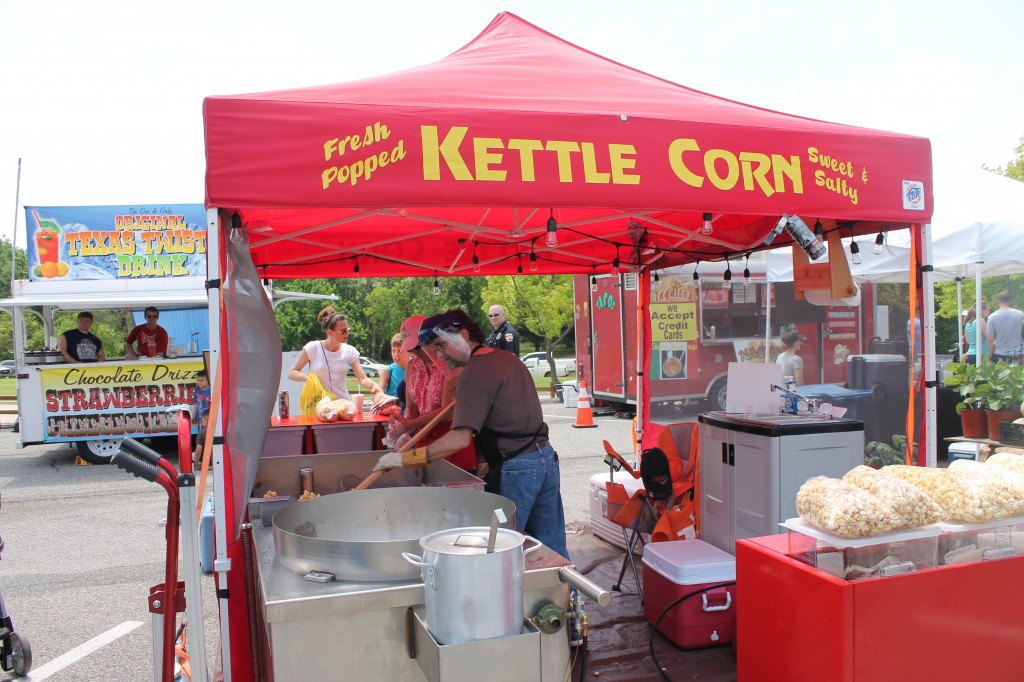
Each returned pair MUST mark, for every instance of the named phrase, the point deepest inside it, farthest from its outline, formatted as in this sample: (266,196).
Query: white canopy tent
(977,231)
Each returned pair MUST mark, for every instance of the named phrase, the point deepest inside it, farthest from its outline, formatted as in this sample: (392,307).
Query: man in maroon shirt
(151,337)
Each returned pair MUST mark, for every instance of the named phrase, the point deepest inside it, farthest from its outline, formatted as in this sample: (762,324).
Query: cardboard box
(692,569)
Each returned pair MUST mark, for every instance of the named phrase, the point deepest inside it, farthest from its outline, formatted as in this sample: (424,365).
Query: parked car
(370,368)
(7,363)
(6,371)
(538,365)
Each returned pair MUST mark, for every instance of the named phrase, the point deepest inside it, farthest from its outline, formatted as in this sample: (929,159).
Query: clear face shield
(450,347)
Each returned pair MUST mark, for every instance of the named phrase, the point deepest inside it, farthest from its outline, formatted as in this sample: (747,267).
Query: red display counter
(306,435)
(951,623)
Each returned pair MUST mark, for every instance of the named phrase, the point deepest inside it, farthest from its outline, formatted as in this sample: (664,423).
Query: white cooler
(599,523)
(959,450)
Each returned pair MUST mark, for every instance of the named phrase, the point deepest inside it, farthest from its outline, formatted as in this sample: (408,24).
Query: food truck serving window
(735,313)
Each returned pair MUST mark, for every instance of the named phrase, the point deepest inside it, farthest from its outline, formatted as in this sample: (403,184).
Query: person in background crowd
(971,325)
(497,401)
(331,358)
(392,375)
(152,338)
(429,389)
(504,336)
(792,364)
(1004,330)
(81,345)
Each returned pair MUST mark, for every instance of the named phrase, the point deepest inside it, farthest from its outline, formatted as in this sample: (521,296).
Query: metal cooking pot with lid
(471,594)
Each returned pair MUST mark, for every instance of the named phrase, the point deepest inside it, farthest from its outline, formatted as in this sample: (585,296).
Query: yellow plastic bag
(312,392)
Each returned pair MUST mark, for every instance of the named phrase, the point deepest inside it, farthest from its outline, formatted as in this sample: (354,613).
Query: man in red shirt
(152,338)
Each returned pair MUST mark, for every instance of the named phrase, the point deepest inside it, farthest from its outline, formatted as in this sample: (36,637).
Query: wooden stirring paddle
(438,418)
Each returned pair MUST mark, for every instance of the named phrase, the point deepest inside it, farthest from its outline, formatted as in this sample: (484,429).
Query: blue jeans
(531,481)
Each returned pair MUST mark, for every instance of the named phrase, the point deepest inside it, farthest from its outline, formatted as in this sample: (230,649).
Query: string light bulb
(355,268)
(657,282)
(818,230)
(879,240)
(696,277)
(476,263)
(727,277)
(855,253)
(707,227)
(593,283)
(552,239)
(746,270)
(519,268)
(236,235)
(533,262)
(437,287)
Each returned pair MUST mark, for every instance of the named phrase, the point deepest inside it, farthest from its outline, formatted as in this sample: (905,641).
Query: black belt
(538,444)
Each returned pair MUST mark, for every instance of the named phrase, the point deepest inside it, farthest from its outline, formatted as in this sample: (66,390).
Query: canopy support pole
(961,351)
(979,342)
(928,348)
(222,563)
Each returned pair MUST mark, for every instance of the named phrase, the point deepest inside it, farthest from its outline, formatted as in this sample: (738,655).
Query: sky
(102,101)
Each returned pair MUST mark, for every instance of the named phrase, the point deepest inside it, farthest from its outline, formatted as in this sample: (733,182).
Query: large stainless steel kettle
(471,594)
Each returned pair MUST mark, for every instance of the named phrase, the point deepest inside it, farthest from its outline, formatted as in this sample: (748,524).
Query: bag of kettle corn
(908,501)
(843,509)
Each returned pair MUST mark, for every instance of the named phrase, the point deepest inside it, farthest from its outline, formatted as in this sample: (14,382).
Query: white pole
(767,321)
(14,236)
(959,316)
(222,564)
(928,348)
(978,336)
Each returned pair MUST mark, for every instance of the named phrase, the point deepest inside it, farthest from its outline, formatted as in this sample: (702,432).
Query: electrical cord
(668,608)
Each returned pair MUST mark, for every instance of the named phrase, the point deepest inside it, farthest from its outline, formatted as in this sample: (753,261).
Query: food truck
(698,327)
(93,258)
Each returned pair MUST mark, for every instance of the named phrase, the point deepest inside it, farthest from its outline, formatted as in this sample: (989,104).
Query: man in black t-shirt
(80,345)
(504,336)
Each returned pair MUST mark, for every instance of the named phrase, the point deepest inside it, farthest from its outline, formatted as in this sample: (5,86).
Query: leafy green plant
(1001,386)
(878,454)
(970,383)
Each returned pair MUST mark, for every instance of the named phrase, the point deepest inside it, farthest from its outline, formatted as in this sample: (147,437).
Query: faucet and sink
(779,418)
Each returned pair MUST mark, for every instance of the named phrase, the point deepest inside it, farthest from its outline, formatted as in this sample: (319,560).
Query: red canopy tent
(472,164)
(405,171)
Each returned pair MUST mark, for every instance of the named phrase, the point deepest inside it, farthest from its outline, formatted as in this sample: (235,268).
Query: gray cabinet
(750,473)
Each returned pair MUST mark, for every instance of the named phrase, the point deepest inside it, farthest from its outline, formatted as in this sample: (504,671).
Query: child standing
(393,374)
(201,396)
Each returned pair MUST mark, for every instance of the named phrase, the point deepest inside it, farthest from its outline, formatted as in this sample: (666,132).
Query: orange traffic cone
(584,417)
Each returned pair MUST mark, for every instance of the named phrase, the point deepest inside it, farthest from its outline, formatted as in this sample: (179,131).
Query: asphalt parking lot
(83,548)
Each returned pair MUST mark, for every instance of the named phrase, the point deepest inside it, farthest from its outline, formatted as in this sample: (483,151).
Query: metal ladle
(498,517)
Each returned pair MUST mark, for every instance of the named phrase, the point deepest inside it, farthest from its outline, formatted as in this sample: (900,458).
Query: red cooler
(675,569)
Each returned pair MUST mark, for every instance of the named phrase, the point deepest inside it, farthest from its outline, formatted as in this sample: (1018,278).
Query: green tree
(375,307)
(392,300)
(540,304)
(20,272)
(1014,167)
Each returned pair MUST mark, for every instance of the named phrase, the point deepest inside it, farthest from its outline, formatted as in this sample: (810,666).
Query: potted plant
(964,377)
(1002,386)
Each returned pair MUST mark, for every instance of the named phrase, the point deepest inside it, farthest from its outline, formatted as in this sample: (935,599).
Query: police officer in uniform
(504,336)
